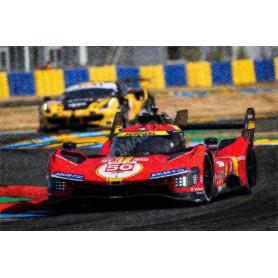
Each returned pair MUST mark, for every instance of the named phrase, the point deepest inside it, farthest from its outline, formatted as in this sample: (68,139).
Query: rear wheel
(251,170)
(208,178)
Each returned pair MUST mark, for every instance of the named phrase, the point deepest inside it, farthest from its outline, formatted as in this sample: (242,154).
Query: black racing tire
(251,170)
(44,129)
(208,179)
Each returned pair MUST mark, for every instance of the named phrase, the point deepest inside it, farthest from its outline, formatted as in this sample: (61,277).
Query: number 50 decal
(117,170)
(119,167)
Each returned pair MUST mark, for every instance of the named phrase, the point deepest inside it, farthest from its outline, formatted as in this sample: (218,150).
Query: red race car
(153,158)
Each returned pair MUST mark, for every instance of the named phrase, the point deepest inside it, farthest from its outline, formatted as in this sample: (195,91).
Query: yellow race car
(93,105)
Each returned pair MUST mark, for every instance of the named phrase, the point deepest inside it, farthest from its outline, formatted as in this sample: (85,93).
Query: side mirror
(181,118)
(211,141)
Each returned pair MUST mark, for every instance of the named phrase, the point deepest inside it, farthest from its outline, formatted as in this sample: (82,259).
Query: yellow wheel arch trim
(235,165)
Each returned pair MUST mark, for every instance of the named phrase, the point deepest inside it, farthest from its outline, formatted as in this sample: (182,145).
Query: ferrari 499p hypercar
(92,104)
(153,158)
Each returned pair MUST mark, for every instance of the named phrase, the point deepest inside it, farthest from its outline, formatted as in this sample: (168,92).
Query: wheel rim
(208,178)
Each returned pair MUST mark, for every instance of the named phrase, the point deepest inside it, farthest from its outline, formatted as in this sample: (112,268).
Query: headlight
(56,185)
(45,107)
(106,105)
(188,179)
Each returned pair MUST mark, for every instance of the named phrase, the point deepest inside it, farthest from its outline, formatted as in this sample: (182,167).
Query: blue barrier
(75,76)
(175,75)
(222,73)
(264,71)
(129,73)
(21,83)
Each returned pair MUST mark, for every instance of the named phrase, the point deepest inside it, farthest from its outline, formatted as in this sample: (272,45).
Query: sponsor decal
(141,159)
(141,129)
(68,176)
(167,173)
(142,134)
(241,158)
(77,104)
(125,159)
(251,125)
(197,189)
(219,178)
(116,170)
(220,163)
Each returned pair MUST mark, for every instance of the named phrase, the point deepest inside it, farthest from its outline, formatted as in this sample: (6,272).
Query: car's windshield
(84,94)
(147,145)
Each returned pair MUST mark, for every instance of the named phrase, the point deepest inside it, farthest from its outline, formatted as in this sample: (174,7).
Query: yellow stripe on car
(147,133)
(235,165)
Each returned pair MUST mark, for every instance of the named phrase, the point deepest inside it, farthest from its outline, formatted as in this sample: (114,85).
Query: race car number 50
(119,167)
(119,170)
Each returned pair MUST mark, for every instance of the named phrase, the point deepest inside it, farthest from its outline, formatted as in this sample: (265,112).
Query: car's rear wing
(247,126)
(248,130)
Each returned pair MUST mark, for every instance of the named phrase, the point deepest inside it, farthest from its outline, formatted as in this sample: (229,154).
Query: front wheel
(208,179)
(42,127)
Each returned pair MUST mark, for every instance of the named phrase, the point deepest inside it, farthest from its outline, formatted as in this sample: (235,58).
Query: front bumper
(85,191)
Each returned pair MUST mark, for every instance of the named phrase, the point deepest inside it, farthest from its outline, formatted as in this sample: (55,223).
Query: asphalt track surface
(233,211)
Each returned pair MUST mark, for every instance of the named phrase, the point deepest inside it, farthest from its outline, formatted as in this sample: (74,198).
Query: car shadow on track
(92,205)
(132,204)
(96,205)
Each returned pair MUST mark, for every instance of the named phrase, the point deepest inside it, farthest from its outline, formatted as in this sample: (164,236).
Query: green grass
(8,199)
